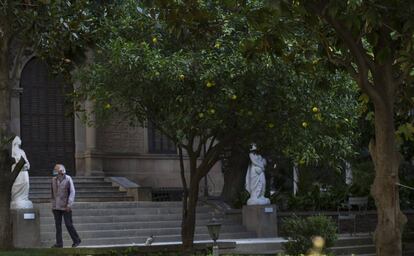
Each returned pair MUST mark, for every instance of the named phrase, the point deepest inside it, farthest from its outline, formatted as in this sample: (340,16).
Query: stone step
(356,249)
(91,234)
(91,198)
(123,218)
(132,225)
(47,179)
(82,194)
(260,246)
(79,190)
(98,185)
(125,211)
(142,239)
(118,205)
(88,189)
(354,240)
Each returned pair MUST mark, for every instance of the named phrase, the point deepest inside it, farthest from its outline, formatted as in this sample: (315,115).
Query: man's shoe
(76,244)
(57,246)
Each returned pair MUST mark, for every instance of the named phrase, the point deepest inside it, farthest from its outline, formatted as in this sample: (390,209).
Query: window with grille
(159,143)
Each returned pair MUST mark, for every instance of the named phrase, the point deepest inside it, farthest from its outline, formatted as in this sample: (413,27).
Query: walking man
(63,196)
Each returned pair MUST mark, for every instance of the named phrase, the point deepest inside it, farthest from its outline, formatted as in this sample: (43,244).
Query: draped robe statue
(255,179)
(20,189)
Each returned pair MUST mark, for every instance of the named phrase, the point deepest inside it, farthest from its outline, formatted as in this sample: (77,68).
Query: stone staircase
(127,223)
(88,189)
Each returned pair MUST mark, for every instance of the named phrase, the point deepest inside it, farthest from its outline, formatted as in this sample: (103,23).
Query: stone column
(15,110)
(93,160)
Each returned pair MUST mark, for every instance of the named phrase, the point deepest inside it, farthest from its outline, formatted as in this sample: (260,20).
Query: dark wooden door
(47,127)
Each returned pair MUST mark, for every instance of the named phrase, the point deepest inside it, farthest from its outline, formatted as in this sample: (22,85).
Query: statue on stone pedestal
(20,189)
(255,178)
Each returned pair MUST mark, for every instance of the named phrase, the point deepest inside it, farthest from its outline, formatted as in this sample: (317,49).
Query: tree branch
(212,140)
(346,64)
(17,168)
(359,55)
(200,146)
(182,169)
(211,158)
(16,63)
(355,47)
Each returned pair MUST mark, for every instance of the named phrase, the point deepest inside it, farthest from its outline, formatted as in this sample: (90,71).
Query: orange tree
(194,71)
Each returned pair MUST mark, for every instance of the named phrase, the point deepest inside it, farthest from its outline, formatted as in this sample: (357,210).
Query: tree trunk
(235,175)
(189,219)
(197,172)
(4,86)
(6,181)
(386,160)
(5,224)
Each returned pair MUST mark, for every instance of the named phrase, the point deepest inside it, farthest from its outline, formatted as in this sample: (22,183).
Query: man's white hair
(62,168)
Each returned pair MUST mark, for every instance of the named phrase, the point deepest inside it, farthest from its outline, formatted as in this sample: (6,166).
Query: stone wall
(119,137)
(123,151)
(157,171)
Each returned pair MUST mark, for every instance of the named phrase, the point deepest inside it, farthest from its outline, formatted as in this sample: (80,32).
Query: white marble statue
(255,178)
(20,189)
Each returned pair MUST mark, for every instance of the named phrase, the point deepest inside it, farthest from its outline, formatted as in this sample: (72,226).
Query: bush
(241,199)
(299,232)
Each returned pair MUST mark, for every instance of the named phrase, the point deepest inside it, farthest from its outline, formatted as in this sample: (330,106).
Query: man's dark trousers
(67,216)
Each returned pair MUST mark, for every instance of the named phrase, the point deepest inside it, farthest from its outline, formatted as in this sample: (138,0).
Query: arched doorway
(46,125)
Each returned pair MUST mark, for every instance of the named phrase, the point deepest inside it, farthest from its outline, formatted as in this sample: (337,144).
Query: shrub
(241,199)
(299,232)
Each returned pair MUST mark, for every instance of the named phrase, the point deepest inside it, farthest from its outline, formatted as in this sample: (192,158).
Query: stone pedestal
(26,228)
(261,219)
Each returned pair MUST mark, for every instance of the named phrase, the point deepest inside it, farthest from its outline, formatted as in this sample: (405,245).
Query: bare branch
(210,160)
(212,140)
(17,168)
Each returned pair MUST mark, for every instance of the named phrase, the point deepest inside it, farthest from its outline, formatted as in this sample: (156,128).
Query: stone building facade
(52,133)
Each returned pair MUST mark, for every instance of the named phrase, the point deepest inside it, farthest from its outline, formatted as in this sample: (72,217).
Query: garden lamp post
(214,227)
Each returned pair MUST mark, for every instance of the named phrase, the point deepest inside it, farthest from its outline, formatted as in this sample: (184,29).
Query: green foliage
(299,231)
(241,199)
(407,195)
(326,198)
(322,188)
(197,79)
(382,35)
(5,141)
(59,31)
(363,177)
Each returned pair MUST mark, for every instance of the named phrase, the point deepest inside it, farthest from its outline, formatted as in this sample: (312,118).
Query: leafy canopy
(200,76)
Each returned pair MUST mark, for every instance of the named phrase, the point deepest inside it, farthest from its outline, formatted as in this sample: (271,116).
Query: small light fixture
(214,227)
